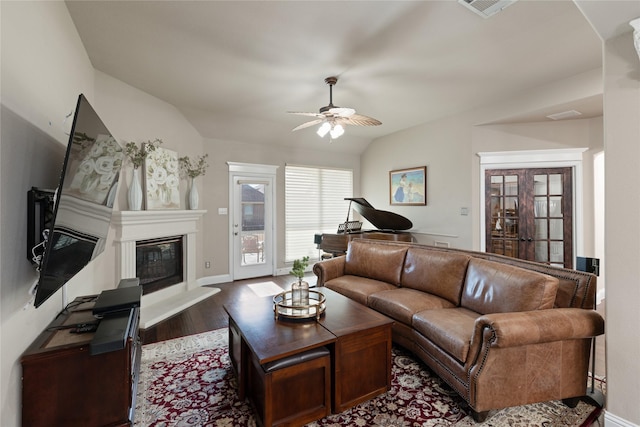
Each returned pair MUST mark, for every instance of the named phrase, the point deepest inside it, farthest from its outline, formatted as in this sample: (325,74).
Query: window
(314,203)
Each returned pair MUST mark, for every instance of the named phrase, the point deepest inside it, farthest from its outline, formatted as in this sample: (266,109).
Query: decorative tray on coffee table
(285,308)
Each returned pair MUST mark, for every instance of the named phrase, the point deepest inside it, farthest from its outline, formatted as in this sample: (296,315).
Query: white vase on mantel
(135,191)
(194,197)
(636,34)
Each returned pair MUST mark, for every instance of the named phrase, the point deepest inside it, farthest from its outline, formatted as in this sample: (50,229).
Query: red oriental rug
(189,382)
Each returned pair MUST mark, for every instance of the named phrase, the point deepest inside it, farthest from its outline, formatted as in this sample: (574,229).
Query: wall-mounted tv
(83,201)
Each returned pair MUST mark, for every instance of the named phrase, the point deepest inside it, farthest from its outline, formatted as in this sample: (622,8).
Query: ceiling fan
(333,119)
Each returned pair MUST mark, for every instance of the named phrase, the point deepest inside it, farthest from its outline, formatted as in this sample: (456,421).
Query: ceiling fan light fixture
(324,129)
(337,131)
(332,119)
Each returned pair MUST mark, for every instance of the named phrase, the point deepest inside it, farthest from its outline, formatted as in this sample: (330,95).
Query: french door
(252,226)
(529,214)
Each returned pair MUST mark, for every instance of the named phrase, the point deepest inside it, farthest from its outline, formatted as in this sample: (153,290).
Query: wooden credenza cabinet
(64,384)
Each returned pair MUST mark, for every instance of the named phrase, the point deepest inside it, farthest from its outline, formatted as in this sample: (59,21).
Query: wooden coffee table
(359,340)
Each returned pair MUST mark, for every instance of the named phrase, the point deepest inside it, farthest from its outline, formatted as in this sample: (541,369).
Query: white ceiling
(234,68)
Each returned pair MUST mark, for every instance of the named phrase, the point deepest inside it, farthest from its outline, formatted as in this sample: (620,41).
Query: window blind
(314,203)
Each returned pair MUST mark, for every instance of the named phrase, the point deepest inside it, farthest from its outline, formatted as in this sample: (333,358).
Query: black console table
(82,379)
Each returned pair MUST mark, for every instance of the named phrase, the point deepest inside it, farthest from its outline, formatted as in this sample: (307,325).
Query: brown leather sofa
(500,331)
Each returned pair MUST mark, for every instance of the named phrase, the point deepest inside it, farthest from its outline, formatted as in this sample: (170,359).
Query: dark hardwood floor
(209,314)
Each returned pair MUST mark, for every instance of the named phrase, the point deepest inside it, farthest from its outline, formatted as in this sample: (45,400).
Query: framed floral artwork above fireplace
(162,181)
(408,186)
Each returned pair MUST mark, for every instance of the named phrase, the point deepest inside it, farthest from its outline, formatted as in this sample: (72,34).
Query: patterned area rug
(189,382)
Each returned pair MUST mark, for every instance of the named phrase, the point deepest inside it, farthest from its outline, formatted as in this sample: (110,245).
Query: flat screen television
(83,202)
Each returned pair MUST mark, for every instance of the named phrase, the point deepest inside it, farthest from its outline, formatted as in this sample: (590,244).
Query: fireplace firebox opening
(159,263)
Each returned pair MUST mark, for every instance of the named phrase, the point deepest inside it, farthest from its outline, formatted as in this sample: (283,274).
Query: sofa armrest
(516,355)
(539,326)
(329,269)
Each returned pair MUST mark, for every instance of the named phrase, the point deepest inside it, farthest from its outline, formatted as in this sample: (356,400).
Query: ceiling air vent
(486,8)
(564,115)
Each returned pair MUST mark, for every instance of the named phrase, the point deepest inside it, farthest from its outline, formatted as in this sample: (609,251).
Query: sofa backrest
(576,289)
(380,262)
(492,287)
(438,273)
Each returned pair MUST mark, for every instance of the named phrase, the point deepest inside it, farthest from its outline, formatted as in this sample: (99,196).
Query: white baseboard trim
(214,280)
(611,420)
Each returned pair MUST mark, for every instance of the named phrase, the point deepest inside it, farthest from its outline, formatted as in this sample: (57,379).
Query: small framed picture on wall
(408,186)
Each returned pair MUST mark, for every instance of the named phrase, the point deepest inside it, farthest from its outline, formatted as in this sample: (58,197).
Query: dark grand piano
(390,226)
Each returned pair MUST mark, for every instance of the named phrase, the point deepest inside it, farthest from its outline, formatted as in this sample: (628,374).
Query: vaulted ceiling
(234,68)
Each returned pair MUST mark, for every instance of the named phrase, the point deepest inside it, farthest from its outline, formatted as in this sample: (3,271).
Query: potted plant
(193,169)
(136,155)
(300,289)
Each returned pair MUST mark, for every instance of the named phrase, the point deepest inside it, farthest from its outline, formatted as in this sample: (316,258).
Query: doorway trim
(260,171)
(566,157)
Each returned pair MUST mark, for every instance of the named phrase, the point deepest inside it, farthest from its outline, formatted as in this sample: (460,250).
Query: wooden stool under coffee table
(358,339)
(361,355)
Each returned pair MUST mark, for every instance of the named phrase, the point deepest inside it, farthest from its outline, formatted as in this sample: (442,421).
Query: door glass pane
(542,254)
(540,184)
(497,205)
(555,229)
(555,184)
(511,185)
(540,207)
(541,229)
(511,216)
(252,231)
(556,252)
(505,216)
(497,246)
(555,206)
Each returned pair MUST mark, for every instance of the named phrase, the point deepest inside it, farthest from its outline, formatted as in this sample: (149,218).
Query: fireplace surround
(136,226)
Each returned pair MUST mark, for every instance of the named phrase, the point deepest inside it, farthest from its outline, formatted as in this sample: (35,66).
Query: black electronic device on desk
(118,311)
(114,300)
(113,331)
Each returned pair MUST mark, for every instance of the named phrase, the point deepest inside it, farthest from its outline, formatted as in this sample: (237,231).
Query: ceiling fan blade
(360,120)
(307,124)
(306,114)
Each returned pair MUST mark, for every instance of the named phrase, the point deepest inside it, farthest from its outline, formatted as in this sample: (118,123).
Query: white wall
(622,228)
(44,69)
(444,148)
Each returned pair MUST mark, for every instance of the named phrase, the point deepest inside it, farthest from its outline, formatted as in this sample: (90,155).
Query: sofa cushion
(436,272)
(400,304)
(380,262)
(357,288)
(448,328)
(492,287)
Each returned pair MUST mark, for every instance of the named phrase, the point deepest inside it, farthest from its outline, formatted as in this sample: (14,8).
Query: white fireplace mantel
(140,225)
(133,226)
